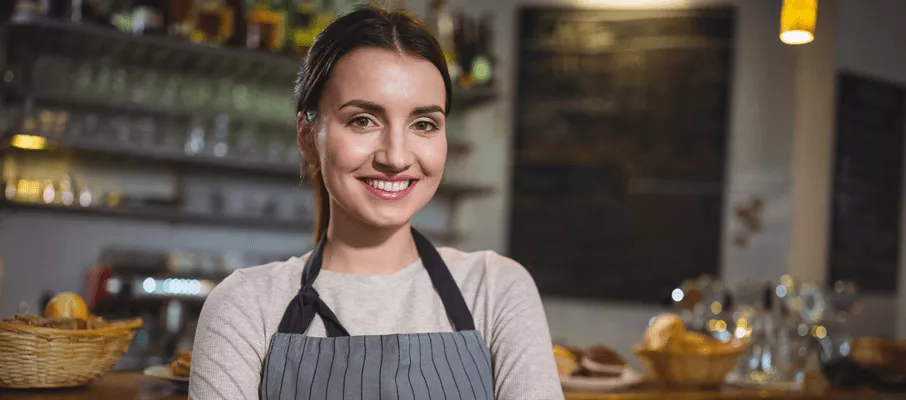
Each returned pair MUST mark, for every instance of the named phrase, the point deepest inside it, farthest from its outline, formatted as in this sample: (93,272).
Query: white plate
(592,384)
(163,372)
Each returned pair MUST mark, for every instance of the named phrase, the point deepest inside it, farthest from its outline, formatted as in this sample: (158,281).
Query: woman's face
(380,136)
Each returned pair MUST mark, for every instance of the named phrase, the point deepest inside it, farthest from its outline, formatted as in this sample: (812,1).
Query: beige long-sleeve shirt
(244,311)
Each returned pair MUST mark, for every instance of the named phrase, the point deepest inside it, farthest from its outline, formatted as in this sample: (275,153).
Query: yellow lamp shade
(797,21)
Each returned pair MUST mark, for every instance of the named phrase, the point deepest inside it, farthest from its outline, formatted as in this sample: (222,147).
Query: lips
(389,188)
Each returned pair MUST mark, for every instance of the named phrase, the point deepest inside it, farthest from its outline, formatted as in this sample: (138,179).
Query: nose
(394,154)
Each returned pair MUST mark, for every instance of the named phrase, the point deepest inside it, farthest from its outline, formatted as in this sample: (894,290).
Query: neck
(354,247)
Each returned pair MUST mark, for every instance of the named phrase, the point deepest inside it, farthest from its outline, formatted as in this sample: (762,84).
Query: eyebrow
(379,109)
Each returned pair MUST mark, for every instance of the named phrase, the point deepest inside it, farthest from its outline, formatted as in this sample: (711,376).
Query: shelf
(289,172)
(173,216)
(27,39)
(95,41)
(465,100)
(161,156)
(73,103)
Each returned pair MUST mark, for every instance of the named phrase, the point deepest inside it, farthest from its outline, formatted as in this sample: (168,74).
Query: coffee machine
(165,289)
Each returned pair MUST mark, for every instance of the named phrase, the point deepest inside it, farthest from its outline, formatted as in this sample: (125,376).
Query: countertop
(113,386)
(133,385)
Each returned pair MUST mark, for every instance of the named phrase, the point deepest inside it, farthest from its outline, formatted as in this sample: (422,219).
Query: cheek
(433,155)
(343,152)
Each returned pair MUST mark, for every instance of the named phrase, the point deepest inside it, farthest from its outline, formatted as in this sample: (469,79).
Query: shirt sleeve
(520,339)
(229,344)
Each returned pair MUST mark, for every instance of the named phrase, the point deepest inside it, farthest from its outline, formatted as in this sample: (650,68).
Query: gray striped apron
(432,366)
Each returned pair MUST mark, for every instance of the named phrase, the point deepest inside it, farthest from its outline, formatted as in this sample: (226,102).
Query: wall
(870,42)
(761,150)
(760,132)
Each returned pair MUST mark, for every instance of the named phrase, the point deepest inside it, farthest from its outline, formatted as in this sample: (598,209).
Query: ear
(305,137)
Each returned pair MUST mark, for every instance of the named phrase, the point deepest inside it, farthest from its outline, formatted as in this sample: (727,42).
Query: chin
(387,221)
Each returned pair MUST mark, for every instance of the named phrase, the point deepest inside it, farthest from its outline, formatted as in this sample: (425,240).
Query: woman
(375,311)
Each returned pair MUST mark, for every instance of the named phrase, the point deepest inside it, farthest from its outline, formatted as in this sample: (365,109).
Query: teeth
(388,186)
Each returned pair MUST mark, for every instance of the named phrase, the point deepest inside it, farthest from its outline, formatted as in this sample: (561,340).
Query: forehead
(388,78)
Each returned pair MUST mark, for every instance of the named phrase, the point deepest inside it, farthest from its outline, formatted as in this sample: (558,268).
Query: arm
(520,344)
(229,344)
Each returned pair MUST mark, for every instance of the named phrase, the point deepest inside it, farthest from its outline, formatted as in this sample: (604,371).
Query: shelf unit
(25,39)
(23,42)
(171,216)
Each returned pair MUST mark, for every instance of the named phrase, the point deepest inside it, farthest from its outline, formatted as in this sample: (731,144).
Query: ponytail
(322,202)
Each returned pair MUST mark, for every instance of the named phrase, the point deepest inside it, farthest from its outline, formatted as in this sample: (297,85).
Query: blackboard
(867,183)
(621,134)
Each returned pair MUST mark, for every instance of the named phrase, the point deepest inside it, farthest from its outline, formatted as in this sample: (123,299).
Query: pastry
(181,364)
(66,305)
(662,329)
(602,362)
(567,361)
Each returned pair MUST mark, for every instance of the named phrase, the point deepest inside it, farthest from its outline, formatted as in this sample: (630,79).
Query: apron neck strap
(301,311)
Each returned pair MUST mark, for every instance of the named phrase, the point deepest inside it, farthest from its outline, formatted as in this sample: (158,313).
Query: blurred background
(635,156)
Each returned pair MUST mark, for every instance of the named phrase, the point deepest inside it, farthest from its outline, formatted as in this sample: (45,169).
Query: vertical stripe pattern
(435,366)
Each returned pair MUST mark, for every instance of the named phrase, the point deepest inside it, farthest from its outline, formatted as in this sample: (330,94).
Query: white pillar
(814,110)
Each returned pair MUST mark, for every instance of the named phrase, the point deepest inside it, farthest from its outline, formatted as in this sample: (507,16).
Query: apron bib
(432,366)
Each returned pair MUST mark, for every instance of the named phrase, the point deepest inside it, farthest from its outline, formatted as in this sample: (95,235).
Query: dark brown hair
(367,26)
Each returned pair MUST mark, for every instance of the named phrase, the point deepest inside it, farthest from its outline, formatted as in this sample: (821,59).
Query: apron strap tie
(308,304)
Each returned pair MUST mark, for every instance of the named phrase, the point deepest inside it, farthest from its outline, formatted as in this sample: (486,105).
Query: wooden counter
(650,393)
(133,385)
(113,386)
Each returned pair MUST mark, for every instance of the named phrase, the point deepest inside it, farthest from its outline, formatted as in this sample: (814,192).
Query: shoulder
(257,283)
(497,272)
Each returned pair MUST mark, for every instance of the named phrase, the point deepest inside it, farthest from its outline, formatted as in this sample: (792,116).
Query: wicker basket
(36,357)
(689,369)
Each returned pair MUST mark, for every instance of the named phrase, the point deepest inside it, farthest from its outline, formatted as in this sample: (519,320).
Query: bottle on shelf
(211,22)
(65,10)
(29,9)
(266,24)
(464,39)
(482,65)
(178,22)
(148,17)
(101,11)
(442,25)
(302,27)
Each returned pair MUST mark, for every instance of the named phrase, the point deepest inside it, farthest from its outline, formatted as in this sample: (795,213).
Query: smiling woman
(375,310)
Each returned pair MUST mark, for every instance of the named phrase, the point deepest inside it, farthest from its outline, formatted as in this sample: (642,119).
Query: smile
(389,189)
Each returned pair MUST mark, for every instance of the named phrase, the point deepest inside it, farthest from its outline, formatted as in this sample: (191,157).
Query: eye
(424,126)
(361,122)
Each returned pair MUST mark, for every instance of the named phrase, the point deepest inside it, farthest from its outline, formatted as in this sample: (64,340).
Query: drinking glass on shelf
(223,96)
(83,79)
(48,75)
(193,93)
(103,81)
(248,146)
(45,121)
(91,125)
(119,85)
(144,129)
(144,86)
(121,129)
(172,135)
(169,91)
(276,147)
(220,137)
(293,155)
(195,142)
(241,98)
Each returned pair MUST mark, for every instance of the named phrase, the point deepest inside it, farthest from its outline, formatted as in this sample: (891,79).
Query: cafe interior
(689,183)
